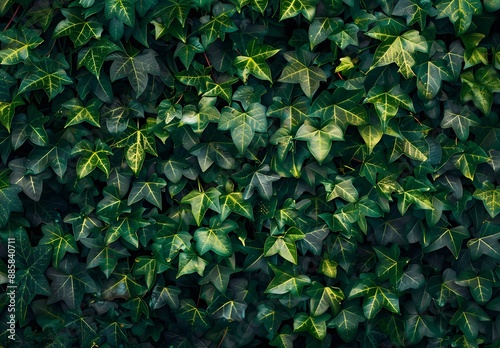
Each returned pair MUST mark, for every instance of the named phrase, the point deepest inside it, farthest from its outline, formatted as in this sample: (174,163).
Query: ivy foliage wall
(245,173)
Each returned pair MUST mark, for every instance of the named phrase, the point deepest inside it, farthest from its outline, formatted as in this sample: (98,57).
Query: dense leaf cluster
(205,173)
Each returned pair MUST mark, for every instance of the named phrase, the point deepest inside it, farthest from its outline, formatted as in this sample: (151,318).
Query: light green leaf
(479,87)
(490,195)
(430,77)
(77,28)
(299,70)
(387,103)
(233,203)
(487,243)
(284,244)
(190,262)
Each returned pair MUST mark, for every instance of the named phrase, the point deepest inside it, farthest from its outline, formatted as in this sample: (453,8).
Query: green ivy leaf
(316,326)
(123,10)
(284,244)
(149,190)
(77,28)
(479,87)
(400,50)
(376,297)
(91,157)
(196,317)
(467,318)
(9,202)
(167,295)
(441,236)
(190,262)
(93,57)
(467,161)
(243,125)
(215,238)
(255,61)
(46,75)
(233,203)
(324,298)
(415,11)
(460,118)
(319,138)
(77,113)
(70,282)
(7,111)
(60,242)
(459,12)
(104,255)
(347,322)
(299,70)
(286,280)
(19,43)
(135,68)
(487,243)
(201,201)
(387,103)
(292,8)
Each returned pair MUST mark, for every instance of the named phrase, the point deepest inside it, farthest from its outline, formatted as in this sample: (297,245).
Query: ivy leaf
(216,27)
(217,275)
(149,190)
(286,280)
(195,316)
(347,322)
(319,138)
(60,242)
(226,308)
(441,236)
(321,28)
(201,201)
(77,113)
(467,318)
(137,143)
(93,57)
(479,87)
(170,243)
(173,9)
(123,10)
(186,51)
(243,125)
(215,238)
(316,326)
(298,70)
(387,103)
(292,8)
(413,193)
(261,179)
(399,50)
(467,161)
(480,285)
(255,61)
(459,12)
(487,243)
(7,111)
(415,11)
(460,118)
(233,203)
(19,43)
(390,265)
(324,298)
(269,316)
(430,77)
(135,68)
(9,202)
(490,197)
(70,282)
(284,244)
(46,75)
(190,262)
(77,28)
(167,295)
(376,297)
(126,227)
(92,157)
(344,189)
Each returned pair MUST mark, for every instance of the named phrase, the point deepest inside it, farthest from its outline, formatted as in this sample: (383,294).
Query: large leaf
(316,326)
(292,8)
(149,190)
(92,157)
(202,201)
(60,241)
(18,45)
(124,10)
(319,139)
(215,238)
(286,280)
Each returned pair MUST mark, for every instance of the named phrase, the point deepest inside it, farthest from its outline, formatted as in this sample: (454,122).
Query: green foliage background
(203,173)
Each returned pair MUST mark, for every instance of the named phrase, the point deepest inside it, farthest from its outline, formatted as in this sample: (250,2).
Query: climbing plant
(249,173)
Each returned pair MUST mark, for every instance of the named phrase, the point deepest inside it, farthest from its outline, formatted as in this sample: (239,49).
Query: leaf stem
(223,337)
(12,18)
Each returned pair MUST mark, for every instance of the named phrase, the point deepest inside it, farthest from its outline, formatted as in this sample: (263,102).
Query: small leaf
(77,28)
